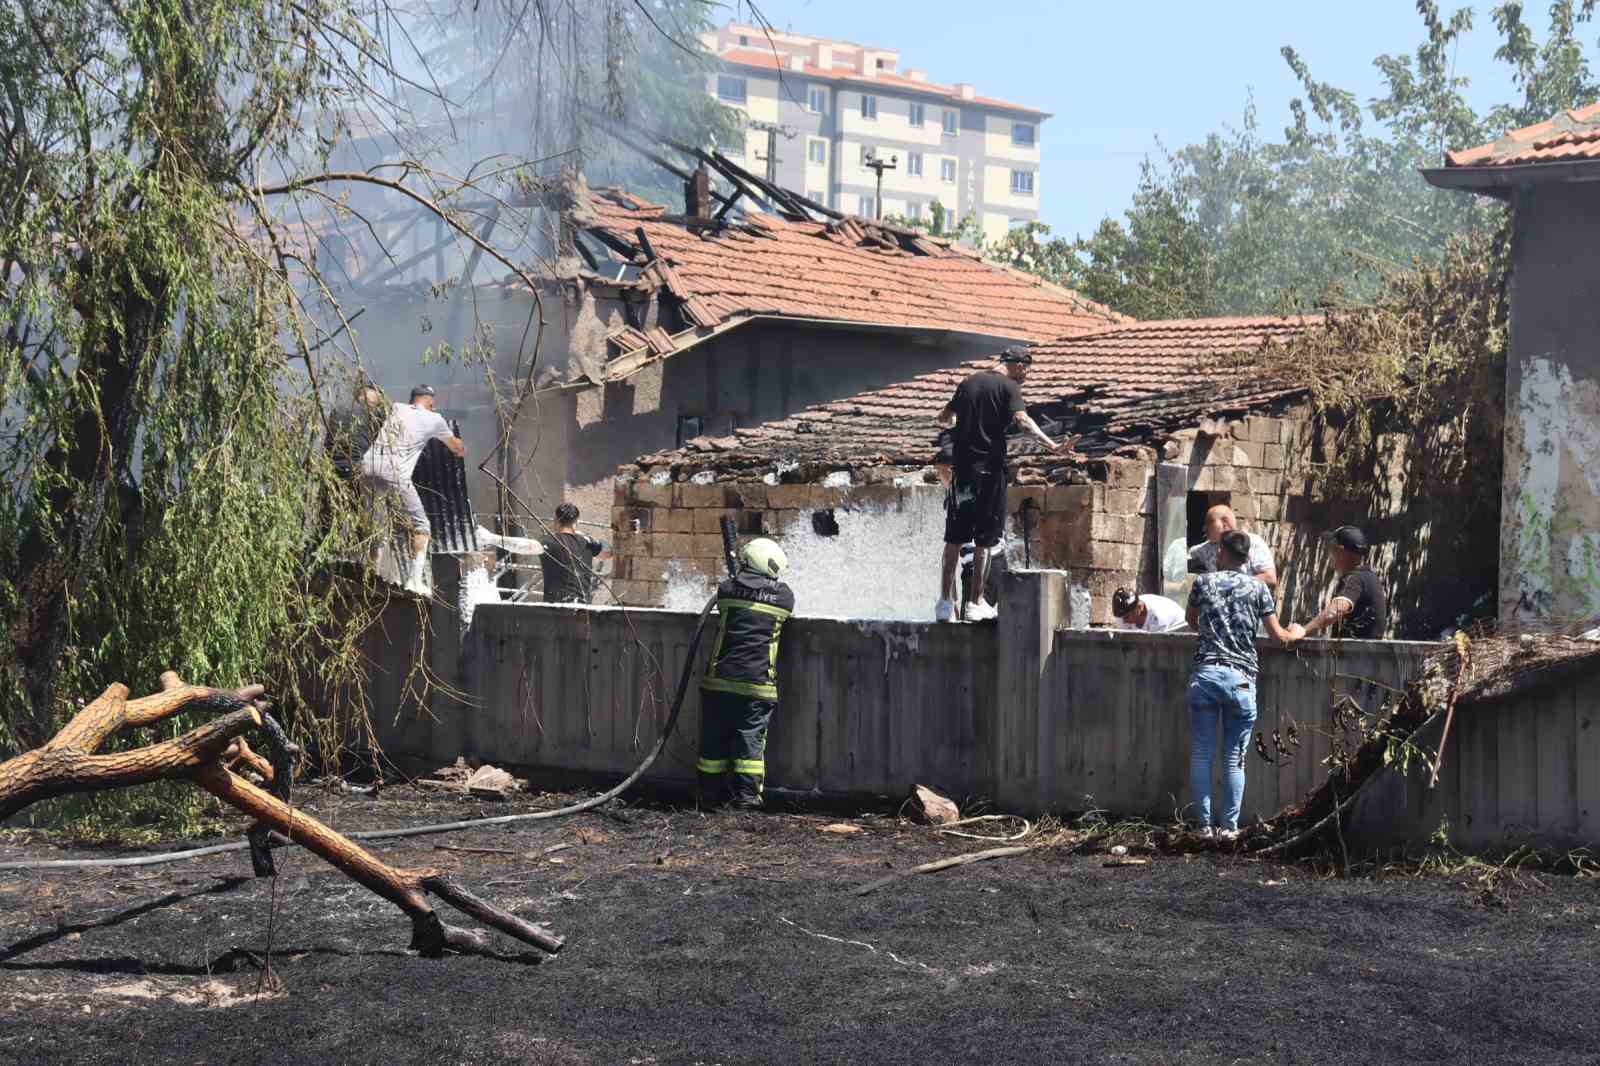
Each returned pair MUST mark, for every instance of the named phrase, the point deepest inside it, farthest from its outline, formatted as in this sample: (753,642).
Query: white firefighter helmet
(764,556)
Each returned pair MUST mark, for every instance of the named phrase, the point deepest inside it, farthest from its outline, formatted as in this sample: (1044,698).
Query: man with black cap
(984,407)
(1359,609)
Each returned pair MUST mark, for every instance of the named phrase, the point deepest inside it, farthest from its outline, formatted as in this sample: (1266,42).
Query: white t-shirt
(1260,556)
(1161,615)
(405,433)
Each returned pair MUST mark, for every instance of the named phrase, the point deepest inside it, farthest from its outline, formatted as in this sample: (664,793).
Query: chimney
(965,91)
(916,75)
(697,193)
(797,61)
(824,56)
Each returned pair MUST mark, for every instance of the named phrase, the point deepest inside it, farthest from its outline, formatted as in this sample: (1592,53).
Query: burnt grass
(735,938)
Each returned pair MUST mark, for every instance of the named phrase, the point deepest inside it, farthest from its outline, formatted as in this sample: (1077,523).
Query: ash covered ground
(736,939)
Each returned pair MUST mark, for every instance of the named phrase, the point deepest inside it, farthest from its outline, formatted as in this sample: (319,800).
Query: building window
(743,40)
(869,206)
(816,99)
(914,164)
(1022,134)
(952,122)
(1022,182)
(731,89)
(947,170)
(880,64)
(818,198)
(914,212)
(869,106)
(915,114)
(816,150)
(690,427)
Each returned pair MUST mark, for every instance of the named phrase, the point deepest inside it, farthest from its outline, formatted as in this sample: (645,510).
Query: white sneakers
(1227,836)
(945,611)
(981,611)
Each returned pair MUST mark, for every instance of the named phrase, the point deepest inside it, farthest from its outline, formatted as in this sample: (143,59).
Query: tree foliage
(170,352)
(1244,224)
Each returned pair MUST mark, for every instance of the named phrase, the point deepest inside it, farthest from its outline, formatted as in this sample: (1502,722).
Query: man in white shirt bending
(1203,557)
(1150,613)
(387,466)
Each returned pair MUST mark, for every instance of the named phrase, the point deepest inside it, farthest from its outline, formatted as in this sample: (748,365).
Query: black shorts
(975,511)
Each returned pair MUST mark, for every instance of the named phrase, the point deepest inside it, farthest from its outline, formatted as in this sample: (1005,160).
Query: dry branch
(943,864)
(67,763)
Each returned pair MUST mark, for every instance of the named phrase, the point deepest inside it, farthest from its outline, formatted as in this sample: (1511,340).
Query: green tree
(1241,224)
(168,361)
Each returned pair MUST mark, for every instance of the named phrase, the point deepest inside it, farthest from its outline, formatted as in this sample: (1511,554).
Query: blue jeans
(1225,696)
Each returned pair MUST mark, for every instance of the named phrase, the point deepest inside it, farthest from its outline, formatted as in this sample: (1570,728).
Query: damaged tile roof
(847,270)
(1573,135)
(1127,384)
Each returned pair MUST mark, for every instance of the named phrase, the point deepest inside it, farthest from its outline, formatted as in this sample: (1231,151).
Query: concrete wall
(1550,507)
(1024,713)
(1523,769)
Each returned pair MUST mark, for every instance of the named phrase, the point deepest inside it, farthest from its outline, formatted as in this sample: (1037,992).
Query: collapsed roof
(715,274)
(1128,384)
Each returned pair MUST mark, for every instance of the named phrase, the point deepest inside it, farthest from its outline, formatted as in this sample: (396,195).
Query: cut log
(930,808)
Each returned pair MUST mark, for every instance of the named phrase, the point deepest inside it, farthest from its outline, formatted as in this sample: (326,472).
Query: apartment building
(837,105)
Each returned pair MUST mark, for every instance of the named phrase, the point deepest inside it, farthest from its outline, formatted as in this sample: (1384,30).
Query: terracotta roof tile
(849,270)
(1569,136)
(1118,385)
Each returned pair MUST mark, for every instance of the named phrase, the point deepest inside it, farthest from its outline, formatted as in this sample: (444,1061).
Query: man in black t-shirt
(1359,609)
(568,559)
(984,407)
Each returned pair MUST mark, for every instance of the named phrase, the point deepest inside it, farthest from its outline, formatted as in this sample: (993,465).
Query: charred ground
(736,939)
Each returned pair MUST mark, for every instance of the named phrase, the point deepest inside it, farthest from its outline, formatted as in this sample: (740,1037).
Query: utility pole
(772,130)
(879,166)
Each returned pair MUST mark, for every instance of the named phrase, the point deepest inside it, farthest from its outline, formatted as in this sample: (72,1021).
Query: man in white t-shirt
(1150,613)
(1203,557)
(387,466)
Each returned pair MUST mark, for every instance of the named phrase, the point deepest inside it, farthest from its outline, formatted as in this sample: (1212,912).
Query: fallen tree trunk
(67,763)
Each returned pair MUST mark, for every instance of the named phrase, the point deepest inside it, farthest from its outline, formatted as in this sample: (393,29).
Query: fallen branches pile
(1462,673)
(213,756)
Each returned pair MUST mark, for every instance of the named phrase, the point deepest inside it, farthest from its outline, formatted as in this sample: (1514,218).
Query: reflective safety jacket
(753,609)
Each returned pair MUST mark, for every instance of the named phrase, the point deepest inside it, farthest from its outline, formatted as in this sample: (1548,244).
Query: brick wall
(1094,518)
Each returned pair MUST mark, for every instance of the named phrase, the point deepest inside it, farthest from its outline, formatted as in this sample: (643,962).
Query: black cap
(1016,354)
(1123,601)
(421,390)
(1349,537)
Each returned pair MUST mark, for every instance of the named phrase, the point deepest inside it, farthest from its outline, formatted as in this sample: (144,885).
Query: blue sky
(1119,77)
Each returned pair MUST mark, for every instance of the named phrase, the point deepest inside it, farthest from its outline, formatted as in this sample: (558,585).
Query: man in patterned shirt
(1226,606)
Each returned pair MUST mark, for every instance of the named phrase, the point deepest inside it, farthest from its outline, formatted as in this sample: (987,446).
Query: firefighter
(740,689)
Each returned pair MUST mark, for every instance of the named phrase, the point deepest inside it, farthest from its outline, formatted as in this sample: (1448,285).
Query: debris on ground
(842,828)
(484,782)
(930,808)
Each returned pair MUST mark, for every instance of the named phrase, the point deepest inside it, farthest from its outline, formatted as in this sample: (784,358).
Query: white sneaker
(1227,836)
(944,611)
(1205,832)
(980,612)
(417,588)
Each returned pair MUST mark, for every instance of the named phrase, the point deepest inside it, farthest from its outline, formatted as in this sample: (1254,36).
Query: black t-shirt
(1370,614)
(984,406)
(568,567)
